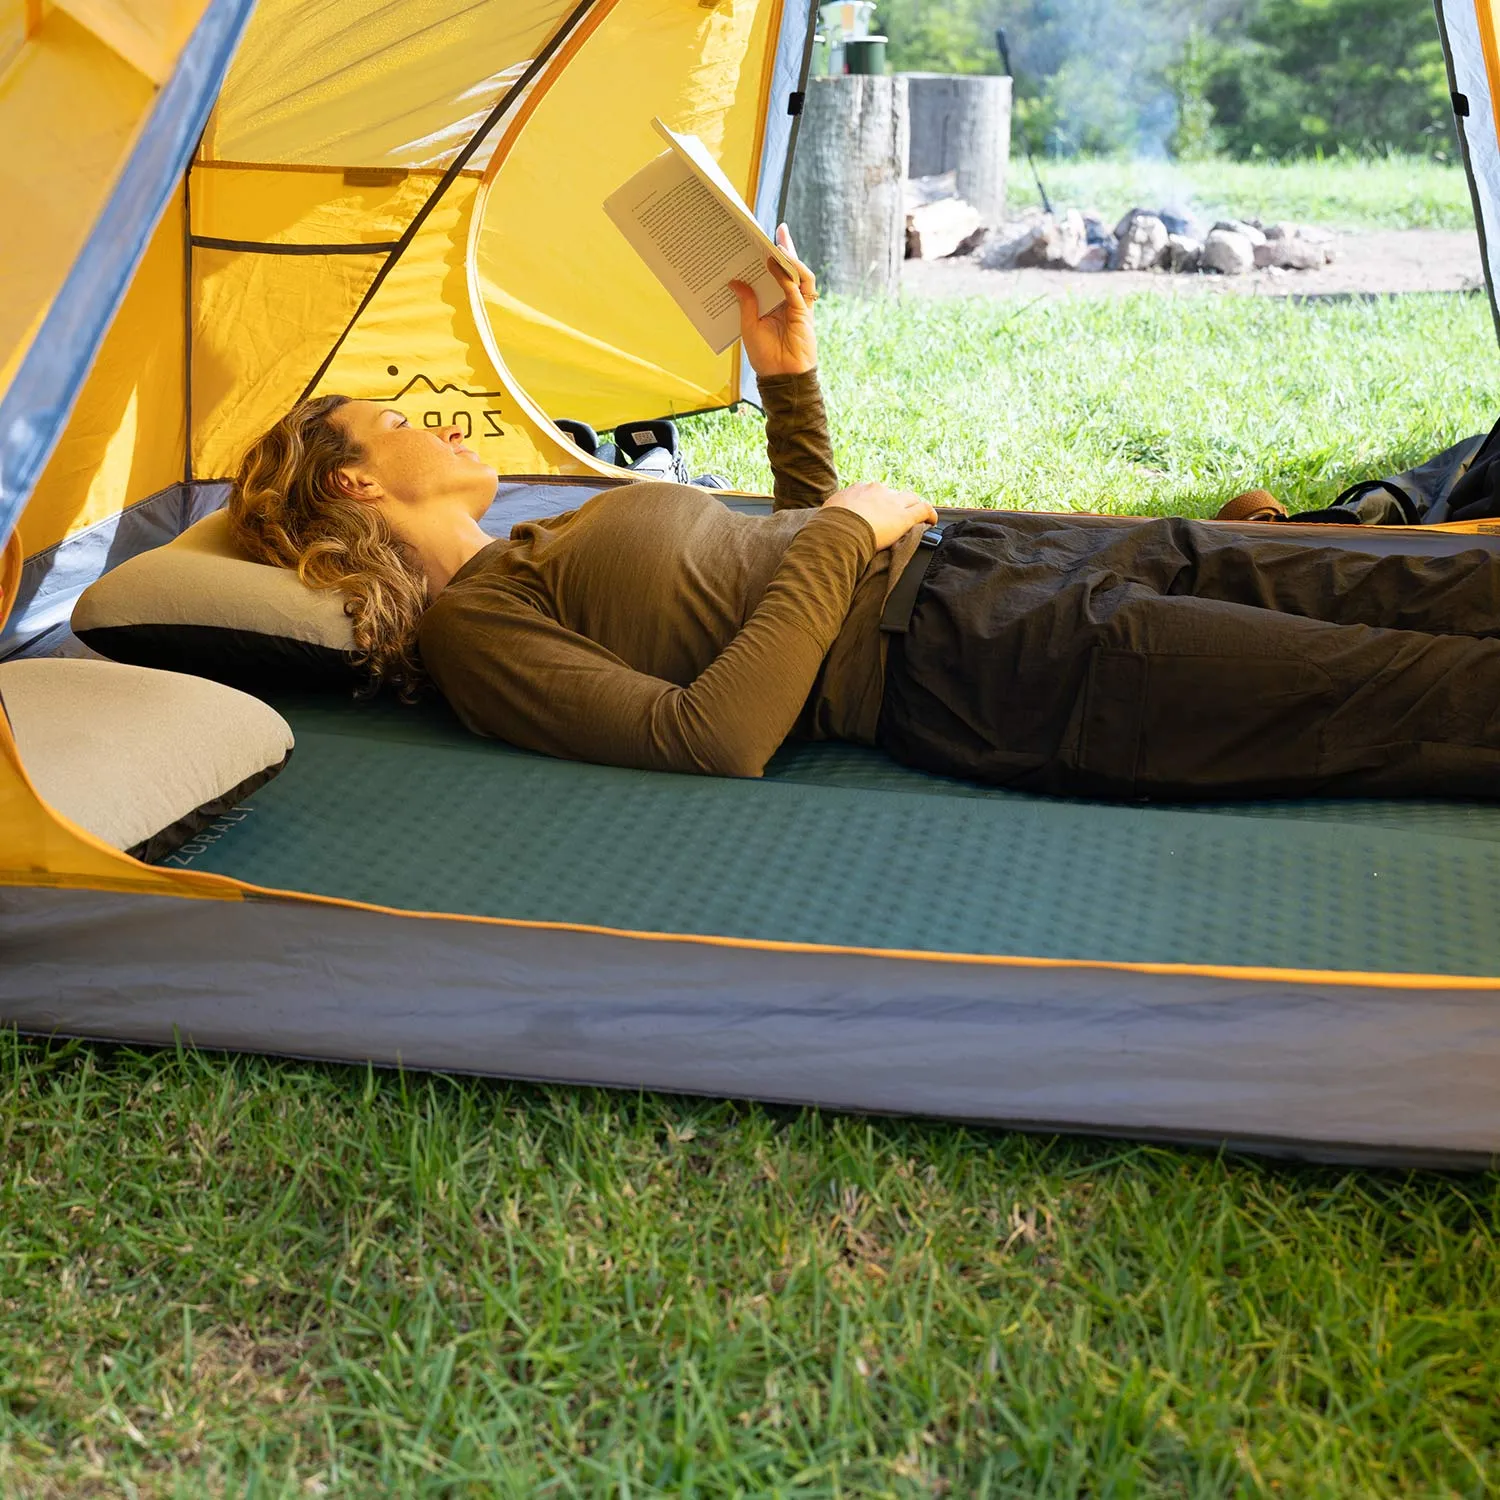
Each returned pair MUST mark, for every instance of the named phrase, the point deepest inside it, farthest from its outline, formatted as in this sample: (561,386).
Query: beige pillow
(141,759)
(196,605)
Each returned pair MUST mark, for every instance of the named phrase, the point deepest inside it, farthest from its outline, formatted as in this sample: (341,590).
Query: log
(960,123)
(946,226)
(844,204)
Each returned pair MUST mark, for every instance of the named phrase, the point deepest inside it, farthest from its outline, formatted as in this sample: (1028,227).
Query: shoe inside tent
(217,206)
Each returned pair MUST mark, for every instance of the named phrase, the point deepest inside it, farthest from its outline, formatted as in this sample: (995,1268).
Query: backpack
(1462,483)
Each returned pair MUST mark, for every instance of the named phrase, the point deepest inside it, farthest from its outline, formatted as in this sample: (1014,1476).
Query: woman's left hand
(782,342)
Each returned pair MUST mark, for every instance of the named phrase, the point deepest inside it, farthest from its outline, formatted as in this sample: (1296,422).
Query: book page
(696,244)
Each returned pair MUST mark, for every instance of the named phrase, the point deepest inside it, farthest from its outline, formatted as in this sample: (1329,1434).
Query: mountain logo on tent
(475,413)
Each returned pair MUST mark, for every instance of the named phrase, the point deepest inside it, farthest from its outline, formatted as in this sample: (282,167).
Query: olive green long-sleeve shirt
(654,627)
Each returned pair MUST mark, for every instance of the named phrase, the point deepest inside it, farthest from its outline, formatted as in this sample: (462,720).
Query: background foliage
(1191,78)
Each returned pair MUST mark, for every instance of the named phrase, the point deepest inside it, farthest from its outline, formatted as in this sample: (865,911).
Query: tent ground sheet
(402,807)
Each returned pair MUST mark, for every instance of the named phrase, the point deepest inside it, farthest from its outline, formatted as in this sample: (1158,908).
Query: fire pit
(1170,239)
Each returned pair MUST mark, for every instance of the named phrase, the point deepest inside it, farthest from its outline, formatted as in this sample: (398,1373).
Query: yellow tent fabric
(396,199)
(515,291)
(608,314)
(369,83)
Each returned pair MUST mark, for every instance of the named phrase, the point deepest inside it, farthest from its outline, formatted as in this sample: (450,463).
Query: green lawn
(243,1276)
(1398,192)
(1143,403)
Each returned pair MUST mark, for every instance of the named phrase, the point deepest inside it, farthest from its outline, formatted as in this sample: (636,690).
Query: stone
(940,228)
(1228,252)
(972,242)
(1181,221)
(1289,255)
(1050,244)
(1247,227)
(1281,231)
(1001,248)
(1141,242)
(1095,258)
(1095,229)
(1075,237)
(1184,253)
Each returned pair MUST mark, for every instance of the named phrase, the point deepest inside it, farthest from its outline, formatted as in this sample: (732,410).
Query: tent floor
(402,807)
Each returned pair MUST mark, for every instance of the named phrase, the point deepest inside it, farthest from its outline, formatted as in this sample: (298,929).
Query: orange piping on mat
(226,887)
(1344,978)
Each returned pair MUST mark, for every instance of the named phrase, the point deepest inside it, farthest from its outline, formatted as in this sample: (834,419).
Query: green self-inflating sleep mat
(1315,977)
(401,807)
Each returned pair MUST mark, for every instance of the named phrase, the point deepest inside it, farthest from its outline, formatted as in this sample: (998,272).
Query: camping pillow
(143,760)
(197,605)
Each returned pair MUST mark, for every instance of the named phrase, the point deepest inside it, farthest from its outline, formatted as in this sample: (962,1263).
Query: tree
(1184,77)
(1334,75)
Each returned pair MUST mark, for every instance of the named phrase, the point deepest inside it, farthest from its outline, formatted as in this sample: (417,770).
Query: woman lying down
(655,628)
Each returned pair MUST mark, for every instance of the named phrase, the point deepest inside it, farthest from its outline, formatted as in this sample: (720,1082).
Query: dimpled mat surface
(838,845)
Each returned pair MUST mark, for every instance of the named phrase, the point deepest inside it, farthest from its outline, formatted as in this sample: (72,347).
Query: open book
(693,229)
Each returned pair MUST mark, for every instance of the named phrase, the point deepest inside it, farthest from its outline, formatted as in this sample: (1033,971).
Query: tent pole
(187,329)
(796,112)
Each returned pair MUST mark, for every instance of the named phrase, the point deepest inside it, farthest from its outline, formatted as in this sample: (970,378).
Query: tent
(216,206)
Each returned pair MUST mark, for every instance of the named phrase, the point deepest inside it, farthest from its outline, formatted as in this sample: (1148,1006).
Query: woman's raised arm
(782,348)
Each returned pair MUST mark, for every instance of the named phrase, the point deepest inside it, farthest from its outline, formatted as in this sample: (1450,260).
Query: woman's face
(412,465)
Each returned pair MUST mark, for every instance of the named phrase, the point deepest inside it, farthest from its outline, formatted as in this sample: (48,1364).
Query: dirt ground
(1371,262)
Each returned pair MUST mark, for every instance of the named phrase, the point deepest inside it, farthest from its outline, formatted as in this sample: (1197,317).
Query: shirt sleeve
(511,671)
(797,441)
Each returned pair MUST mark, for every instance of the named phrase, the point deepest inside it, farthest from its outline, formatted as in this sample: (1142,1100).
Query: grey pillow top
(196,605)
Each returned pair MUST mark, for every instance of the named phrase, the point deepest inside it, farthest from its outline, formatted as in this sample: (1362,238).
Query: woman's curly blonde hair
(287,507)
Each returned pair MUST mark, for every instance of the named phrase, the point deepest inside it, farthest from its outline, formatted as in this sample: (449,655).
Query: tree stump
(844,206)
(960,122)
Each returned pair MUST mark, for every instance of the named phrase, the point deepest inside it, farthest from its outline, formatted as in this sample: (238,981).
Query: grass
(1143,404)
(1396,192)
(239,1276)
(242,1276)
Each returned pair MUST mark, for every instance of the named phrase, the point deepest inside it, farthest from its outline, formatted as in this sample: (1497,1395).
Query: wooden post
(844,206)
(960,122)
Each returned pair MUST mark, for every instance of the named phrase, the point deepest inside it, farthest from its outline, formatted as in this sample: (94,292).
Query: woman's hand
(782,342)
(891,513)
